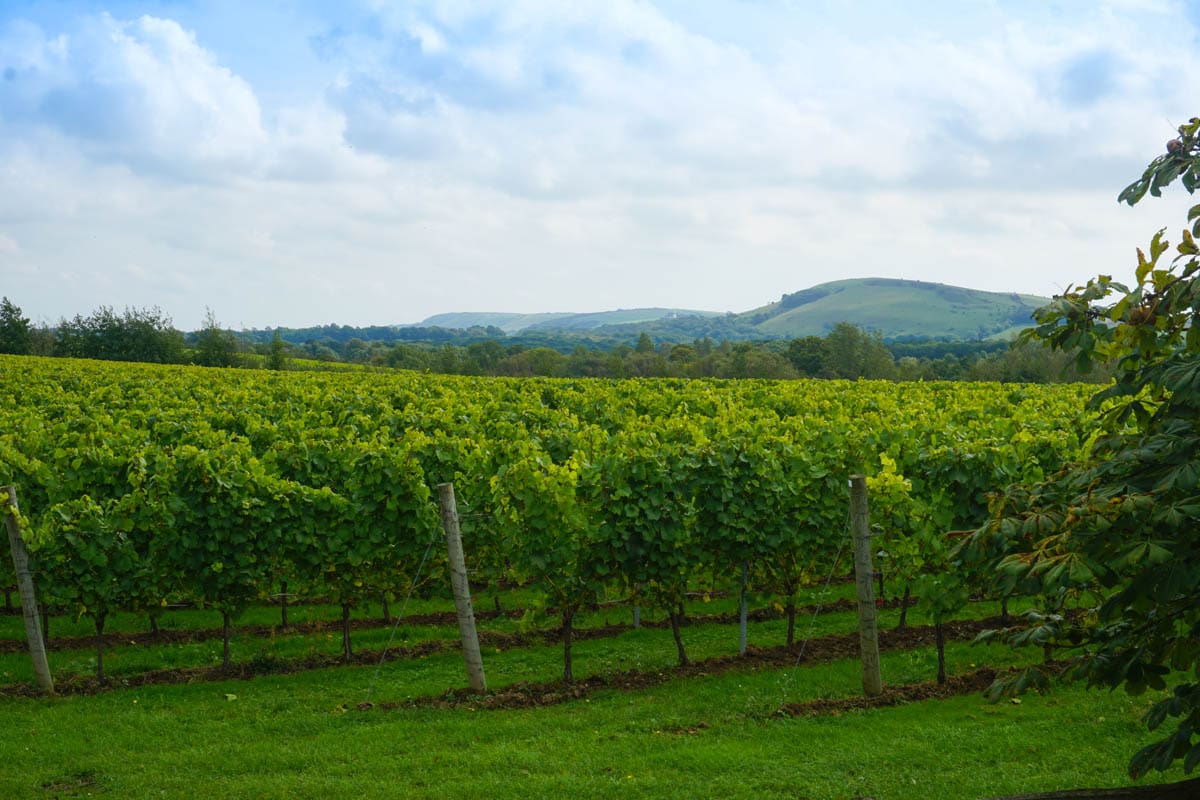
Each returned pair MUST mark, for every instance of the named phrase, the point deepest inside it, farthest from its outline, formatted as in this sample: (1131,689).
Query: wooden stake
(868,634)
(742,610)
(462,590)
(283,603)
(29,605)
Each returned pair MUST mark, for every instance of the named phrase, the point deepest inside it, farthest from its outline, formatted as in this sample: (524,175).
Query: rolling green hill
(632,316)
(509,323)
(898,309)
(515,323)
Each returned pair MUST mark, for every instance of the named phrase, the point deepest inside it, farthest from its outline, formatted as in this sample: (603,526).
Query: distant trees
(807,355)
(851,352)
(408,356)
(320,352)
(1031,361)
(846,352)
(482,357)
(215,347)
(536,361)
(643,363)
(277,355)
(136,335)
(15,335)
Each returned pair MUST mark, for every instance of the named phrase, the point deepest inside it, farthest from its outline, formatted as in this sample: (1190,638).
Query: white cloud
(143,92)
(546,99)
(308,143)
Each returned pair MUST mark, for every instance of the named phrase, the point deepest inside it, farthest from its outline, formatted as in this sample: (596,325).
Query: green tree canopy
(215,346)
(277,356)
(15,335)
(851,352)
(1124,527)
(136,335)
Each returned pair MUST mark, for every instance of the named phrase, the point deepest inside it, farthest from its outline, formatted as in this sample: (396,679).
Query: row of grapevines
(142,484)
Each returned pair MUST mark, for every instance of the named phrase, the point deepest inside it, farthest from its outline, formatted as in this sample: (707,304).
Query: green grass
(701,640)
(292,736)
(303,735)
(649,648)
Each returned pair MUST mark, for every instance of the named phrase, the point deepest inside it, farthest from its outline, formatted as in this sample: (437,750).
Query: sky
(300,162)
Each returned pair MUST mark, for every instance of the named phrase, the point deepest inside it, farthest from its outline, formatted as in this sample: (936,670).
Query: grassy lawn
(719,735)
(303,736)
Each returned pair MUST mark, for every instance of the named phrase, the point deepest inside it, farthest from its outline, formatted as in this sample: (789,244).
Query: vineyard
(143,486)
(299,508)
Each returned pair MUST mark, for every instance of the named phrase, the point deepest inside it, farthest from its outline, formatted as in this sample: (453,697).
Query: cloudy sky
(299,162)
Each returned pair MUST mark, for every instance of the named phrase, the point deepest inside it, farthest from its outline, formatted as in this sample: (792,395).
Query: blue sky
(298,163)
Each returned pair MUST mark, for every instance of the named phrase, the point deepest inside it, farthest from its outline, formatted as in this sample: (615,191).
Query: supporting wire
(816,612)
(399,617)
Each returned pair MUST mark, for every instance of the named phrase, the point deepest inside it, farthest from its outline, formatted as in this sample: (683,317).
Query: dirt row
(521,695)
(812,651)
(166,636)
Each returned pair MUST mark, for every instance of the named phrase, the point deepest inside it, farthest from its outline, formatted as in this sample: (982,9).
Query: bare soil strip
(520,695)
(441,618)
(820,650)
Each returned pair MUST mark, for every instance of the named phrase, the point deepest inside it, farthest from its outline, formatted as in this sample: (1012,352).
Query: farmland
(171,511)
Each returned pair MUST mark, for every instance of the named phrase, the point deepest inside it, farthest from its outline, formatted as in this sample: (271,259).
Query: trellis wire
(816,612)
(399,617)
(787,680)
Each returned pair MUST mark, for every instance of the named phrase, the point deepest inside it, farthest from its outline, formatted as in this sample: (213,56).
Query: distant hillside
(633,316)
(509,323)
(898,309)
(515,323)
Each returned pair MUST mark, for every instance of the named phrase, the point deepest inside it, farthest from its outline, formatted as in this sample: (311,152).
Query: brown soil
(441,618)
(87,685)
(812,651)
(522,695)
(173,636)
(972,682)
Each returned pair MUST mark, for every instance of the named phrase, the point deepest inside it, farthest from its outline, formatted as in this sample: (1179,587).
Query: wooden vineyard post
(29,606)
(868,633)
(742,610)
(462,590)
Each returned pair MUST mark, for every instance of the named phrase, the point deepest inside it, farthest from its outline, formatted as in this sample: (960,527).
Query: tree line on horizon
(846,352)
